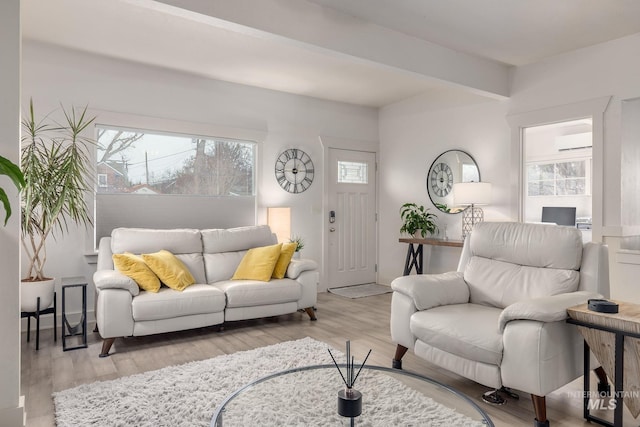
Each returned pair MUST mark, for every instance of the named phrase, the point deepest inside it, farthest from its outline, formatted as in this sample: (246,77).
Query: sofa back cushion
(236,239)
(184,243)
(225,248)
(510,262)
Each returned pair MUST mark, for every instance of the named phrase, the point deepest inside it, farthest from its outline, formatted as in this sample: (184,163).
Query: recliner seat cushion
(501,284)
(247,293)
(168,303)
(466,330)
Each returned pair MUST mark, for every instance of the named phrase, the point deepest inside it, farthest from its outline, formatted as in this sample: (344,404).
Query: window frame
(555,161)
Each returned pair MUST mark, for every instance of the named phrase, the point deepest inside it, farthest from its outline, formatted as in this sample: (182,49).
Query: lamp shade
(279,220)
(471,193)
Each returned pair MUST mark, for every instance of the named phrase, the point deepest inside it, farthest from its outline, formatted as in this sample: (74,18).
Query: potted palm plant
(11,170)
(57,171)
(417,219)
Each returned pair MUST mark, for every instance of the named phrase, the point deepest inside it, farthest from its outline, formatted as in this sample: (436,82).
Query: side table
(80,328)
(611,337)
(415,254)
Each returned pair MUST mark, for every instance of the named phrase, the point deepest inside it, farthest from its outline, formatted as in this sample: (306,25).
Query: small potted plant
(299,241)
(11,170)
(416,219)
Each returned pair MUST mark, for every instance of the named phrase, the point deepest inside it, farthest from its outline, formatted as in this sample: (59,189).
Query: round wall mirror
(448,168)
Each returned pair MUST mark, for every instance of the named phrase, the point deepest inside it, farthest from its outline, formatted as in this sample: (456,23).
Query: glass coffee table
(309,396)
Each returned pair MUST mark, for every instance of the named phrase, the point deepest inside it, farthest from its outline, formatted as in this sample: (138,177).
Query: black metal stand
(79,329)
(36,315)
(618,376)
(414,259)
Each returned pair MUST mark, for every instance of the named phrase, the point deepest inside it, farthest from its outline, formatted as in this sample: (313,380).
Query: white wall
(418,132)
(53,75)
(412,135)
(11,410)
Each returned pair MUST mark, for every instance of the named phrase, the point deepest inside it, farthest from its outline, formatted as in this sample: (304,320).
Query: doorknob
(332,229)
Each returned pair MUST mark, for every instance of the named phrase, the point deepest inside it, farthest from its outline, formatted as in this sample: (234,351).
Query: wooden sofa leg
(540,409)
(106,346)
(397,359)
(311,313)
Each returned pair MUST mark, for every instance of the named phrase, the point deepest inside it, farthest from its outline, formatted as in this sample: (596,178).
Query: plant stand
(80,328)
(36,315)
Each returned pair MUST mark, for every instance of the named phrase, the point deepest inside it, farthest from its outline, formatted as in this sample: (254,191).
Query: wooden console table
(614,339)
(414,254)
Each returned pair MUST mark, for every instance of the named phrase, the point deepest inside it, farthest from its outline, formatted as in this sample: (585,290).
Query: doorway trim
(328,142)
(594,108)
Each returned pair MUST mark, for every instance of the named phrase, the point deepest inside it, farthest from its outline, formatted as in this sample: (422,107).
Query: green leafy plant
(299,241)
(11,170)
(417,219)
(58,173)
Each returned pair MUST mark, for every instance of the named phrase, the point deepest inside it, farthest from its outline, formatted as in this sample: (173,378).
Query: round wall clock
(294,170)
(441,179)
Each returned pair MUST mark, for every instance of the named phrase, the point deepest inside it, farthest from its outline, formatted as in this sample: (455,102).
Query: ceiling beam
(331,32)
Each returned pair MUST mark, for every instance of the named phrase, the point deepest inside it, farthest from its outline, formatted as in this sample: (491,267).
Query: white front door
(351,220)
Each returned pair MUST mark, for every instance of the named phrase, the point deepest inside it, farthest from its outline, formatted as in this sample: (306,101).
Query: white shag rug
(188,395)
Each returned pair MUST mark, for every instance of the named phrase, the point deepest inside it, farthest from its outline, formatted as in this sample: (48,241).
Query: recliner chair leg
(604,388)
(540,409)
(512,394)
(397,359)
(492,397)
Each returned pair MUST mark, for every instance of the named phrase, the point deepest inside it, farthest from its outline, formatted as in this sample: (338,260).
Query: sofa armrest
(433,290)
(297,266)
(545,309)
(112,279)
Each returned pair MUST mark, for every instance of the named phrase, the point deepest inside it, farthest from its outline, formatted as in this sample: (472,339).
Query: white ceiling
(365,52)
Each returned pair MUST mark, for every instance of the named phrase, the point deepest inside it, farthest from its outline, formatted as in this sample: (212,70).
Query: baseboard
(13,417)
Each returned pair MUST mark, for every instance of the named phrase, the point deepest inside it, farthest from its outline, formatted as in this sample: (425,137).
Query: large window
(172,179)
(151,163)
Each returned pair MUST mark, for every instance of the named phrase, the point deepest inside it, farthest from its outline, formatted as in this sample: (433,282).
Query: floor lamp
(471,194)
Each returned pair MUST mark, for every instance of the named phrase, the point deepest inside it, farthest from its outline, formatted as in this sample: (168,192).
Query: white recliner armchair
(499,319)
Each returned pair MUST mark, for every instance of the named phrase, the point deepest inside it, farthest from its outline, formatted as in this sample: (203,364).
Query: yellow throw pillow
(134,267)
(258,263)
(286,253)
(169,269)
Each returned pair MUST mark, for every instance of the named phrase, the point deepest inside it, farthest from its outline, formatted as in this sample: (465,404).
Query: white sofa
(500,320)
(212,256)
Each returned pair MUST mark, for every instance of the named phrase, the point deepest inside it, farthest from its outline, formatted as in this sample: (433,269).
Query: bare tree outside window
(557,178)
(139,162)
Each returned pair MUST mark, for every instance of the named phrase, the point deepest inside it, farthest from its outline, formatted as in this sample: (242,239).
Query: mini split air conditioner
(574,141)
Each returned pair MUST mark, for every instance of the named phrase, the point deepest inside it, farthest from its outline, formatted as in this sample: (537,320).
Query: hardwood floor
(364,321)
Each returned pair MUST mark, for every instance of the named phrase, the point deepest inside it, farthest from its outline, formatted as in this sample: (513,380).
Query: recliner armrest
(433,290)
(112,279)
(297,266)
(545,309)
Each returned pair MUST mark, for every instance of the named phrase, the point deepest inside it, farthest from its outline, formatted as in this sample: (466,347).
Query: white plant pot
(296,255)
(30,291)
